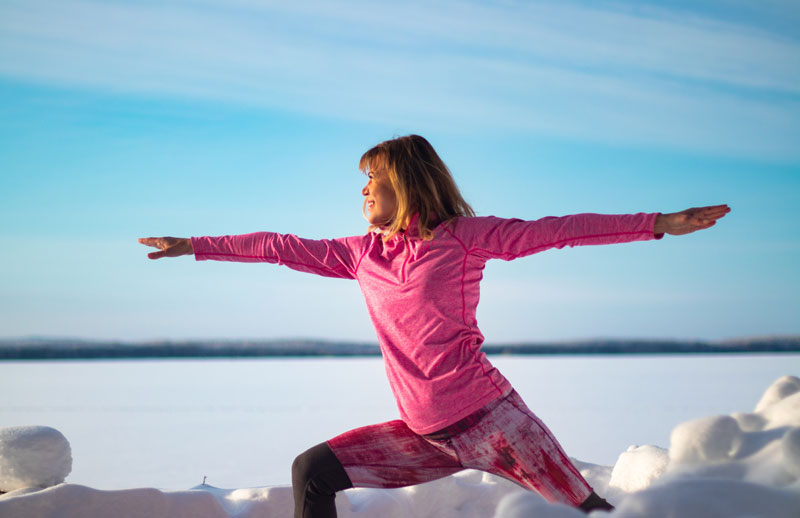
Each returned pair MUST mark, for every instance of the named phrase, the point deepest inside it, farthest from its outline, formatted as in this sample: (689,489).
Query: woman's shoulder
(465,224)
(358,241)
(470,229)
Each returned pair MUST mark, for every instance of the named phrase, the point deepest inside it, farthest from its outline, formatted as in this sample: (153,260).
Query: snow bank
(742,465)
(466,494)
(33,456)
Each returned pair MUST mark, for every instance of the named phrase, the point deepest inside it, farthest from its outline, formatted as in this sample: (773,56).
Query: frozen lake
(167,424)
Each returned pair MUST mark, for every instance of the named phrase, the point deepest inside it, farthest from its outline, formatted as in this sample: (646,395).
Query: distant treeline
(67,349)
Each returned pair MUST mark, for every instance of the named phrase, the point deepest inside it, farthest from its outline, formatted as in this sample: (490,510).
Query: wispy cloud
(616,73)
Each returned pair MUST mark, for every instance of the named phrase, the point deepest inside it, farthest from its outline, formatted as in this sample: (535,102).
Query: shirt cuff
(655,217)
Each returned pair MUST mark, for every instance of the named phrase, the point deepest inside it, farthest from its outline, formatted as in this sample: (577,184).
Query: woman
(419,268)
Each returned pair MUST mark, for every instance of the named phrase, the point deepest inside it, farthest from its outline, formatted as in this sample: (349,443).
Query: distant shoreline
(76,349)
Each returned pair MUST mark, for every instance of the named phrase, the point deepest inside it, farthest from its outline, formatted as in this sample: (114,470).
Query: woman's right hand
(168,246)
(689,220)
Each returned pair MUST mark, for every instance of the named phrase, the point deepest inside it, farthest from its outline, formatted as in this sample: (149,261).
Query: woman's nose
(365,190)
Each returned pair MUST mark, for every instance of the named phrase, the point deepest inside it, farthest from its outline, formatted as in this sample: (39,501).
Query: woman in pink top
(419,267)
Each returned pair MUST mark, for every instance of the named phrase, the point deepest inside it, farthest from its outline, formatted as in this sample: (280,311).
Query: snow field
(739,465)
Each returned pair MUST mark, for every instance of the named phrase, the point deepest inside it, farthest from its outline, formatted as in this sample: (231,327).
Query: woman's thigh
(513,443)
(391,455)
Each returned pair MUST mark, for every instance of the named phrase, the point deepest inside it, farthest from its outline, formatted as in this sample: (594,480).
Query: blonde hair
(422,184)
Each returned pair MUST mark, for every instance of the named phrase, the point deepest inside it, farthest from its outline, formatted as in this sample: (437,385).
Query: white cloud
(653,76)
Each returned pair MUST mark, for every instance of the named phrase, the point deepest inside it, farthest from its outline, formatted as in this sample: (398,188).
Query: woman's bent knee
(316,477)
(317,470)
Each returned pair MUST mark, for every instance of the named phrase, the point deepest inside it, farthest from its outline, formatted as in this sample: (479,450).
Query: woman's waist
(465,423)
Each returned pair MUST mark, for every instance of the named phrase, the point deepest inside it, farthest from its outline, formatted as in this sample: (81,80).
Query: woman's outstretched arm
(327,257)
(689,220)
(168,246)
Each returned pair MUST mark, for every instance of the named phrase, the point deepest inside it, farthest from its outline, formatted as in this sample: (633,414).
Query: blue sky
(128,119)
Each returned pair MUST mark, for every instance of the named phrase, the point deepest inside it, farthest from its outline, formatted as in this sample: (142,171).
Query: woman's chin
(378,221)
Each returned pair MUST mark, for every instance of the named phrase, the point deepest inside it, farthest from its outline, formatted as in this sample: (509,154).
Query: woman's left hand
(689,220)
(168,246)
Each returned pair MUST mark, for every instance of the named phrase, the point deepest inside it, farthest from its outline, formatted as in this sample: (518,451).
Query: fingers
(701,223)
(155,242)
(149,241)
(705,225)
(704,215)
(161,243)
(157,255)
(715,211)
(168,246)
(704,218)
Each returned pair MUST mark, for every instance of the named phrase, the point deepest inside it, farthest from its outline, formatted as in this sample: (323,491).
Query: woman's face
(380,200)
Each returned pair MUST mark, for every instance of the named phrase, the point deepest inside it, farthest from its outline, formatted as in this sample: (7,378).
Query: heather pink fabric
(510,441)
(422,295)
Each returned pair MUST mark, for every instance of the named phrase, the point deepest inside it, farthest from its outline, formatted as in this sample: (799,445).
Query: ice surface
(743,465)
(33,456)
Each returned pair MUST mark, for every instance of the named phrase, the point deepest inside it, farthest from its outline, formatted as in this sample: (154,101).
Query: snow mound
(33,456)
(781,389)
(637,468)
(709,439)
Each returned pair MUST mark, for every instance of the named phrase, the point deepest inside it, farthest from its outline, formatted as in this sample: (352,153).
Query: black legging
(317,475)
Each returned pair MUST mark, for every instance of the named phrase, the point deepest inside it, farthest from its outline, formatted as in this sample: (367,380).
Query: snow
(746,464)
(638,468)
(705,440)
(33,456)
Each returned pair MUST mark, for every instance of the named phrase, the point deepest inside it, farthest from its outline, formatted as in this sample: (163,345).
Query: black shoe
(593,502)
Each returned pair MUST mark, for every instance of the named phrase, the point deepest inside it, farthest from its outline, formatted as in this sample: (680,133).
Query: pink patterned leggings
(507,440)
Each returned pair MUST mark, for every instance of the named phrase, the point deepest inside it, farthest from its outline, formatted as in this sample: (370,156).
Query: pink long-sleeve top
(422,296)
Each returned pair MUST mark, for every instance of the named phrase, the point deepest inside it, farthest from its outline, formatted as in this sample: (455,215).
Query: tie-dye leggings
(507,440)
